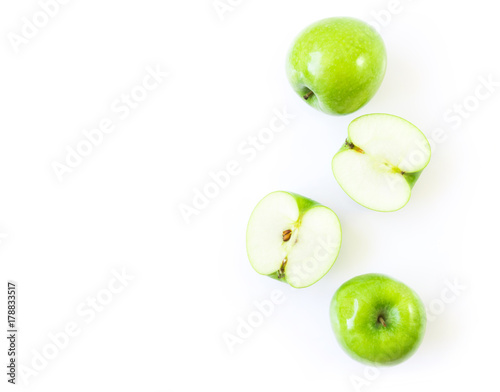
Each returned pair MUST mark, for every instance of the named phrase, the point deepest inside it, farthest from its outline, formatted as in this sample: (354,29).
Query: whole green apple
(336,65)
(377,319)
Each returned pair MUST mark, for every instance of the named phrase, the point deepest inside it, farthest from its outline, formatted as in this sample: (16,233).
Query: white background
(119,209)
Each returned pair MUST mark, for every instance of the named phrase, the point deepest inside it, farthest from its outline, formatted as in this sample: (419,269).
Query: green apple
(381,160)
(336,65)
(377,319)
(293,239)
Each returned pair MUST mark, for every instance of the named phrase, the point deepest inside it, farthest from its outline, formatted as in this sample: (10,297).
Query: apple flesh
(336,65)
(377,320)
(293,239)
(381,160)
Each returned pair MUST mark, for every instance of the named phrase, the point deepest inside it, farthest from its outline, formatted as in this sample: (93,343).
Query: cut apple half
(293,239)
(381,160)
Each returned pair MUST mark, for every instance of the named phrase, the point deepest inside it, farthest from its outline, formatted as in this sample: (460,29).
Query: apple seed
(286,235)
(281,271)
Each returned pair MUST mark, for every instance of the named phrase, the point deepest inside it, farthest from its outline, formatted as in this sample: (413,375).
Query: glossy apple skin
(341,60)
(355,311)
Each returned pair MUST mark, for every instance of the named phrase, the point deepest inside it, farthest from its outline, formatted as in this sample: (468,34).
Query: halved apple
(381,160)
(293,239)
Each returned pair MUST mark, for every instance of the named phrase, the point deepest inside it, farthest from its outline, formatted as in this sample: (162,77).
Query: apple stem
(286,235)
(308,95)
(381,321)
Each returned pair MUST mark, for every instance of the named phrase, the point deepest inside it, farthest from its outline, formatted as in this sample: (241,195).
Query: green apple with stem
(380,161)
(336,65)
(377,320)
(293,239)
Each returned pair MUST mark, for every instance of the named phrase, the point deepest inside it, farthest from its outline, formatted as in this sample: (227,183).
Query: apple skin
(341,60)
(355,311)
